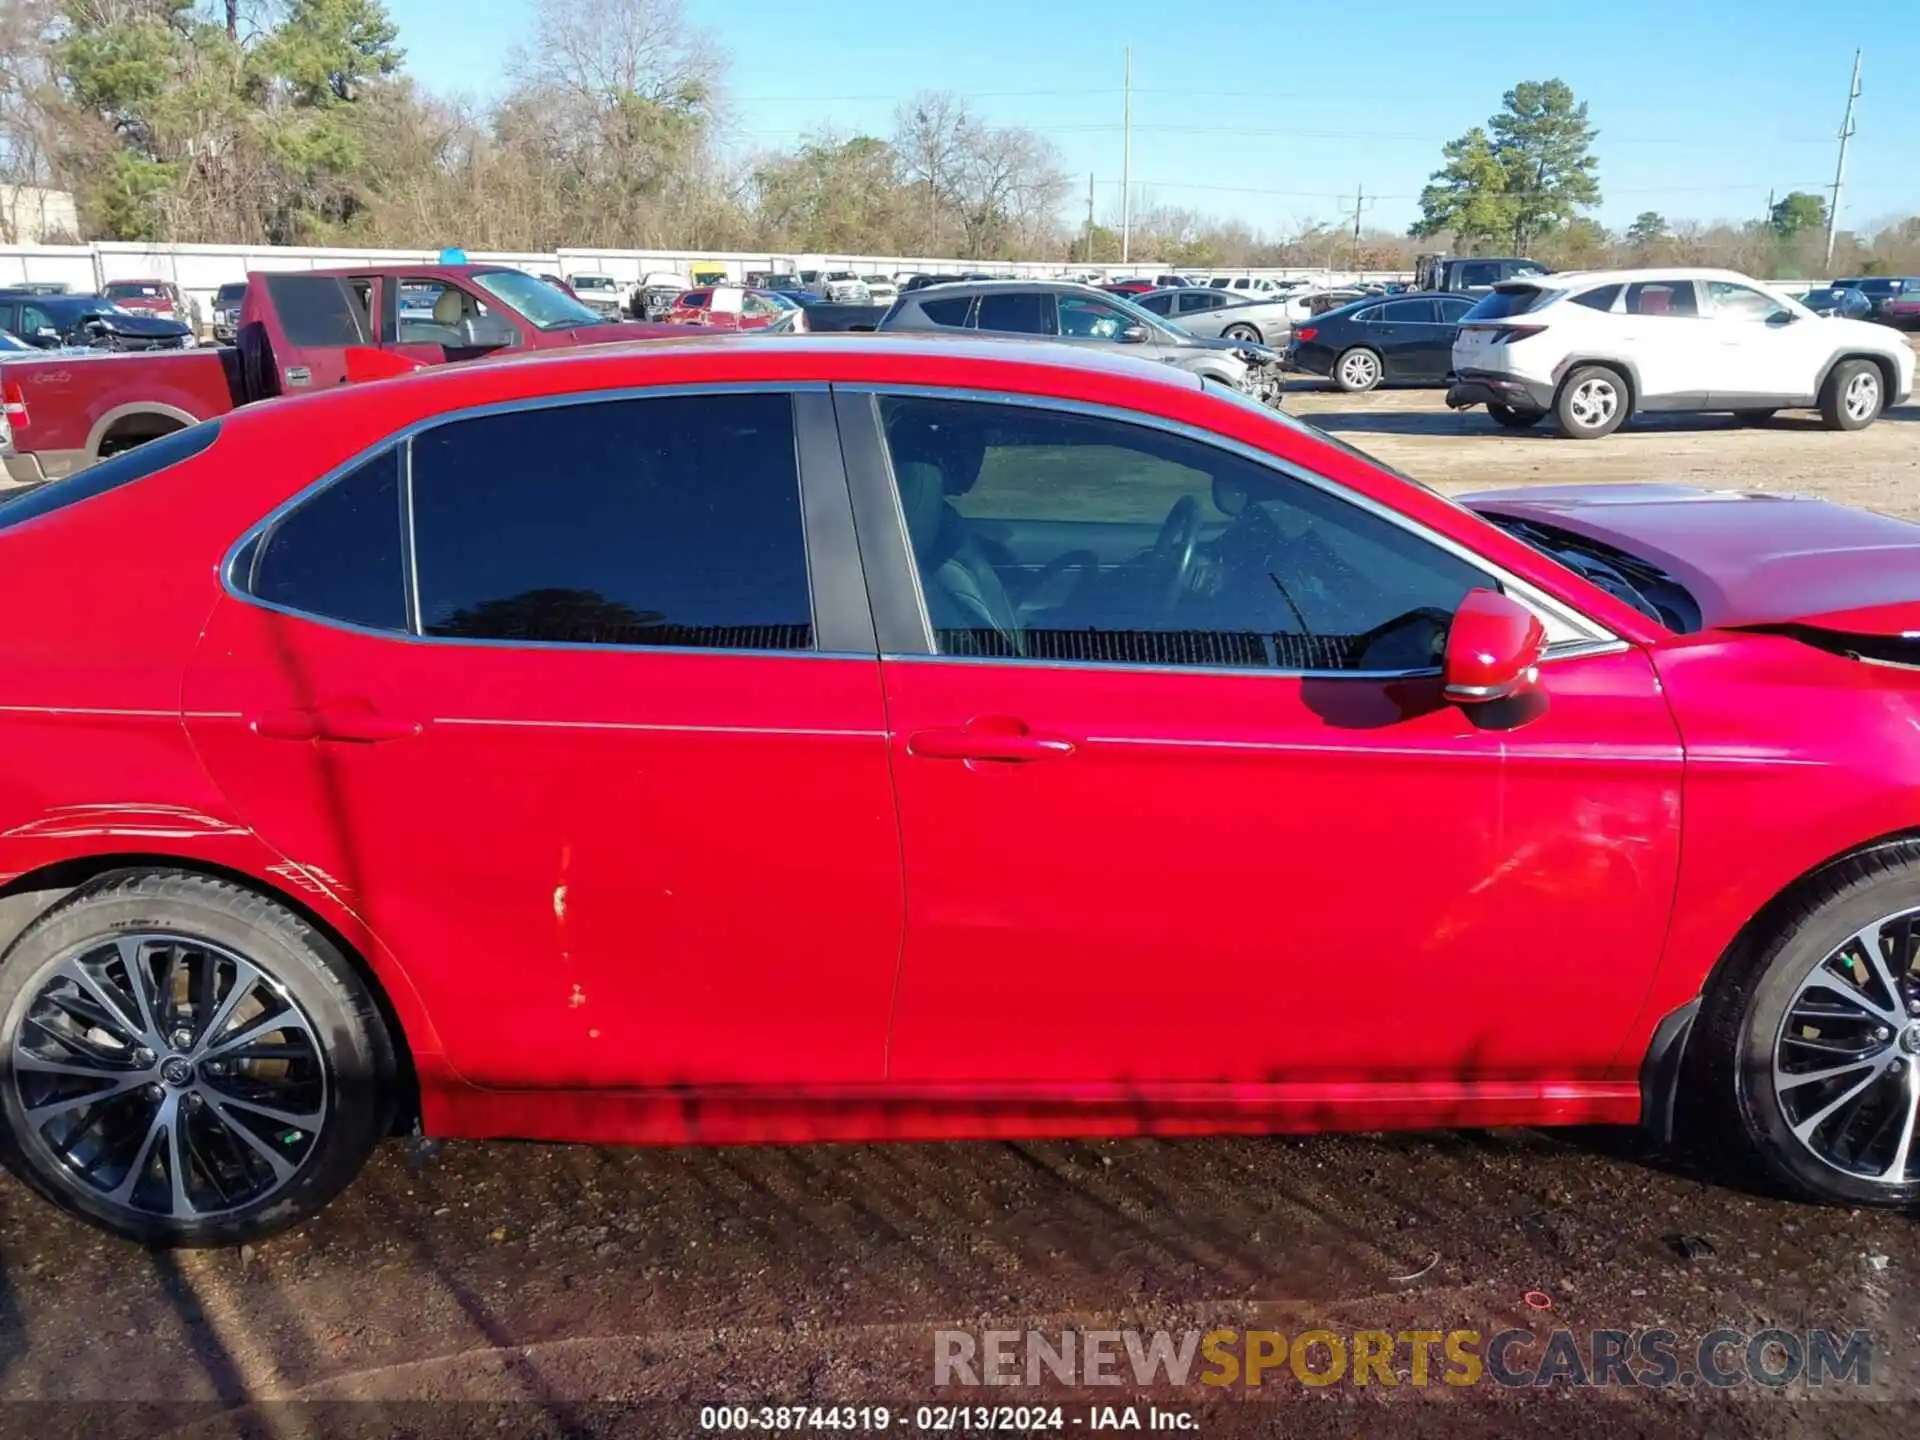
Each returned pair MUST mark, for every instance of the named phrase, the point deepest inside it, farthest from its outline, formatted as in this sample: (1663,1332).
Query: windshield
(593,282)
(228,293)
(134,290)
(543,307)
(783,302)
(1877,287)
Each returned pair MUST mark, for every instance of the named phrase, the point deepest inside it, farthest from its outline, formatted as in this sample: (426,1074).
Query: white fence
(199,270)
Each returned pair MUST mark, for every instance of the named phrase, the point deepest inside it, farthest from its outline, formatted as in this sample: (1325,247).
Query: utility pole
(1840,169)
(1126,158)
(1088,257)
(1359,202)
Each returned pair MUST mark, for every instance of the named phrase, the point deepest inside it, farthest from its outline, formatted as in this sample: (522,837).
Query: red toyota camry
(779,739)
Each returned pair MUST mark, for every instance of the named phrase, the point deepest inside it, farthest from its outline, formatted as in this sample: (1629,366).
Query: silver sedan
(1221,314)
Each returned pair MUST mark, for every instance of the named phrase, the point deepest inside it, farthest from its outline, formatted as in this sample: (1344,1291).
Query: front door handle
(995,739)
(353,721)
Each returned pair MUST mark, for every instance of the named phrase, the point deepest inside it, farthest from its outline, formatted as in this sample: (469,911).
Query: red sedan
(707,742)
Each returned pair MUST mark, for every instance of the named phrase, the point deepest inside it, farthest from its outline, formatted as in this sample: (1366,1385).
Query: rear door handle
(997,739)
(353,721)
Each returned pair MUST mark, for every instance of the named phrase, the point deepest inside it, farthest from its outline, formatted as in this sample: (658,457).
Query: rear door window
(337,554)
(950,312)
(1600,299)
(1662,297)
(318,311)
(1019,313)
(1404,312)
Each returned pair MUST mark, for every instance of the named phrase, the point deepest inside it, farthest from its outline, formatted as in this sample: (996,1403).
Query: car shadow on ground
(1475,422)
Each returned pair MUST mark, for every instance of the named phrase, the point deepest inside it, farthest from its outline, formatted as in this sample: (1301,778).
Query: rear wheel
(1357,370)
(1592,402)
(188,1063)
(1810,1045)
(1853,395)
(1511,417)
(1242,331)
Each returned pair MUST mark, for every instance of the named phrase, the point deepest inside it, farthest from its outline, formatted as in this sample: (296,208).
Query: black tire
(1357,370)
(1581,409)
(1509,417)
(1754,417)
(1241,330)
(1854,395)
(342,1040)
(1731,1056)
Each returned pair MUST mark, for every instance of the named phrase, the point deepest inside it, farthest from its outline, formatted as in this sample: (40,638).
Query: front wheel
(1853,395)
(1242,331)
(188,1063)
(1810,1043)
(1357,370)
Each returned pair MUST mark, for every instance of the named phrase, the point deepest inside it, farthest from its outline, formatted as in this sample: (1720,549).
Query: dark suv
(1473,275)
(1879,289)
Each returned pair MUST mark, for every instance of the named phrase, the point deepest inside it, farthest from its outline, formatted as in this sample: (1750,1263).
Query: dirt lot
(582,1291)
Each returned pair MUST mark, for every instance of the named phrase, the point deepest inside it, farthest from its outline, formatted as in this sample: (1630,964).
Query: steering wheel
(1171,558)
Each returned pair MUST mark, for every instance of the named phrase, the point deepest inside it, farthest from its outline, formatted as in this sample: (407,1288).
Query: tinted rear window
(319,309)
(122,469)
(338,553)
(1505,302)
(1601,299)
(952,311)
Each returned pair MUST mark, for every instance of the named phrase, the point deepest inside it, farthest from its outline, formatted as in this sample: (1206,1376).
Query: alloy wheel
(1593,402)
(1359,370)
(1846,1062)
(1862,397)
(168,1075)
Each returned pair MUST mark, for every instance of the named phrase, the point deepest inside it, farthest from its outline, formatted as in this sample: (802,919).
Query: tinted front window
(950,311)
(666,521)
(111,474)
(1044,535)
(338,554)
(1020,313)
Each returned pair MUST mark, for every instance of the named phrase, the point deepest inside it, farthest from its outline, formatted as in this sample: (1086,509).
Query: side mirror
(1493,649)
(1132,335)
(1781,317)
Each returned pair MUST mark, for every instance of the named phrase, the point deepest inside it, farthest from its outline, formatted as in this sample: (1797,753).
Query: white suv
(1594,347)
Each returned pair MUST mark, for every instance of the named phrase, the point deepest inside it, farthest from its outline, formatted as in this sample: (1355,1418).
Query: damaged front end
(1266,378)
(1873,637)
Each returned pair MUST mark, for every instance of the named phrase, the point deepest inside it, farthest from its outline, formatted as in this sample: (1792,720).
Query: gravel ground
(496,1289)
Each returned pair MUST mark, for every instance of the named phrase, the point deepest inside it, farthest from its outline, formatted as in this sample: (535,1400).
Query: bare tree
(932,134)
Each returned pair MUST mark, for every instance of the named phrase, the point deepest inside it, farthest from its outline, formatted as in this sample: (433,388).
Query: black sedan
(54,322)
(1405,338)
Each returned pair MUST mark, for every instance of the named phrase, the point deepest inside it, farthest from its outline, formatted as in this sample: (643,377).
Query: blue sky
(1274,114)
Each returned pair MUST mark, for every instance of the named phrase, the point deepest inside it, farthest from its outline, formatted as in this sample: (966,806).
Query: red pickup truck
(299,330)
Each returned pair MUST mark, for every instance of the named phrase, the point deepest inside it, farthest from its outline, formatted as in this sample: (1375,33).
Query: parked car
(1128,287)
(1879,289)
(880,290)
(1170,282)
(1199,639)
(153,297)
(843,287)
(1472,275)
(1247,286)
(1592,348)
(1224,314)
(653,297)
(921,282)
(299,331)
(737,309)
(65,321)
(599,293)
(823,315)
(1902,310)
(1405,339)
(1083,316)
(1834,299)
(226,311)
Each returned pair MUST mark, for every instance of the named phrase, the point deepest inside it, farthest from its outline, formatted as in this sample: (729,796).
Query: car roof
(1581,279)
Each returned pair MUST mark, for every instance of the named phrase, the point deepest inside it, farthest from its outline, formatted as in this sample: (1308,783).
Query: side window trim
(905,631)
(851,632)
